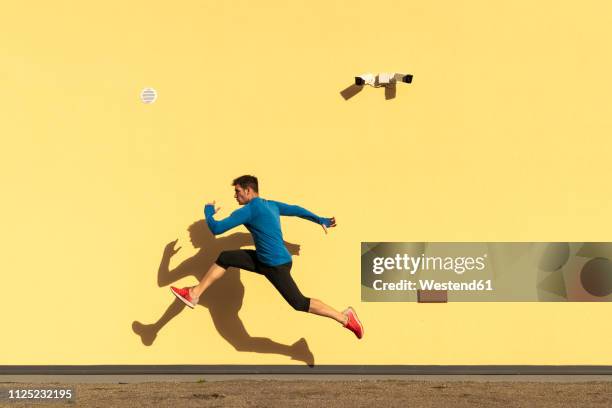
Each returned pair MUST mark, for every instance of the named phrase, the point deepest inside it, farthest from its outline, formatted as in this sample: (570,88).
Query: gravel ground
(350,394)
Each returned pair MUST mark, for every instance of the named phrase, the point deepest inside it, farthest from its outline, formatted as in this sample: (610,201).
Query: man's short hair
(247,181)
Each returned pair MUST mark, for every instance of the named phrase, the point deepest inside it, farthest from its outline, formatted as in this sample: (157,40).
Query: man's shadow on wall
(223,299)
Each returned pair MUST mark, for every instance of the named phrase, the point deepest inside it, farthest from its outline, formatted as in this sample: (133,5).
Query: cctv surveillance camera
(406,78)
(365,79)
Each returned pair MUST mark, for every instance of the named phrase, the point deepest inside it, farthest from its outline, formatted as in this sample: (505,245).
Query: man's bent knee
(301,304)
(223,260)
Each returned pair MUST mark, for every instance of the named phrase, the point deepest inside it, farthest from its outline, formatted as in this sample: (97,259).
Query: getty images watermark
(487,271)
(412,264)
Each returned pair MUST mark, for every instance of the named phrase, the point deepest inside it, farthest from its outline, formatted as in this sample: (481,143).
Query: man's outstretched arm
(238,217)
(297,211)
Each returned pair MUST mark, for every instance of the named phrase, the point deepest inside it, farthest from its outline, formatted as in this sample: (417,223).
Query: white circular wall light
(148,95)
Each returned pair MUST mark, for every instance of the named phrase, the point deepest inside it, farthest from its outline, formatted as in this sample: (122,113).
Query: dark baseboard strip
(295,369)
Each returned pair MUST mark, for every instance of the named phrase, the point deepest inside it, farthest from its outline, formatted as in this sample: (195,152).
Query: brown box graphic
(432,296)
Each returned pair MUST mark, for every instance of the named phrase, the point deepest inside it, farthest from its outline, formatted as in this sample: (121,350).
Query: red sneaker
(183,295)
(353,323)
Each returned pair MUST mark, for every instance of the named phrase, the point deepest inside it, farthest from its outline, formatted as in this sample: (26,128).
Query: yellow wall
(503,136)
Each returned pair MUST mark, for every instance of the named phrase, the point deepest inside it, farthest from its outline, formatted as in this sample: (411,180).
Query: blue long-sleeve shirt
(262,218)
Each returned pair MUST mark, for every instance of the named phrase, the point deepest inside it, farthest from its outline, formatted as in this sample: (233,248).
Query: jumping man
(270,257)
